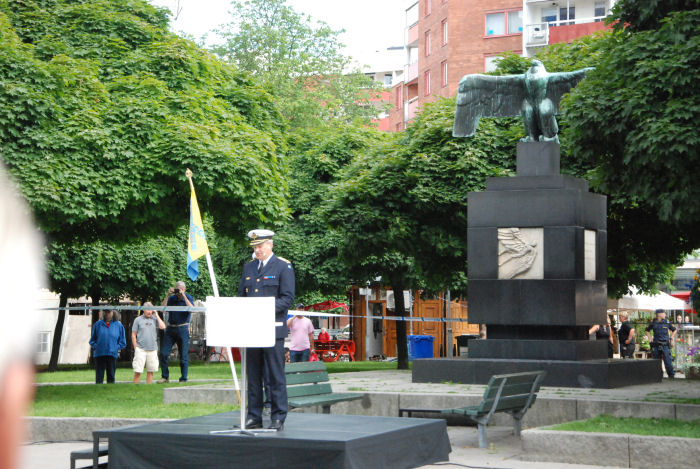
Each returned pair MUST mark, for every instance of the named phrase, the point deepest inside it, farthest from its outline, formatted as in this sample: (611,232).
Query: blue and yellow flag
(197,243)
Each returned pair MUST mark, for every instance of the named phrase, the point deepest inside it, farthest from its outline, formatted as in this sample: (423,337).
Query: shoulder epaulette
(284,260)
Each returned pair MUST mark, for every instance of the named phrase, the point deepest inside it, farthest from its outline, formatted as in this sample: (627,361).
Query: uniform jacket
(661,329)
(276,279)
(107,340)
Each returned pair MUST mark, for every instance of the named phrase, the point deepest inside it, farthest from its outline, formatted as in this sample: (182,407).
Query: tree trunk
(401,343)
(58,333)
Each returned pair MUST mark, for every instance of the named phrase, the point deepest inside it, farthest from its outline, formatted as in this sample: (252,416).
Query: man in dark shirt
(268,275)
(177,331)
(626,336)
(661,343)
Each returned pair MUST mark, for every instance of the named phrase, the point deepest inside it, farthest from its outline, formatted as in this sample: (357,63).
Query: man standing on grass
(177,332)
(144,339)
(301,338)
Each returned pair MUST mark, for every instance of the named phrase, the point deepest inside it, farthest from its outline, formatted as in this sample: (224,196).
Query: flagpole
(188,173)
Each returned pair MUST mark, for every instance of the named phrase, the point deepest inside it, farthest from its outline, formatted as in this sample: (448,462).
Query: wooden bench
(511,393)
(308,385)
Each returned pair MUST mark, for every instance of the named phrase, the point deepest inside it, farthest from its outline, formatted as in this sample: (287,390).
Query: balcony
(411,72)
(412,38)
(542,34)
(410,109)
(537,34)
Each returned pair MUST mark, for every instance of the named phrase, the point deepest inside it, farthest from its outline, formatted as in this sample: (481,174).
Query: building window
(443,67)
(504,22)
(399,97)
(444,32)
(387,80)
(515,22)
(427,83)
(427,43)
(571,15)
(549,15)
(428,7)
(42,345)
(599,10)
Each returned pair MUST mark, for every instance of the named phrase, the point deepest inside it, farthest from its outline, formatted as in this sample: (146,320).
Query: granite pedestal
(537,248)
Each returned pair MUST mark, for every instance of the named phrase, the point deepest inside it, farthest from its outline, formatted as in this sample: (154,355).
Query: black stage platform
(307,441)
(607,373)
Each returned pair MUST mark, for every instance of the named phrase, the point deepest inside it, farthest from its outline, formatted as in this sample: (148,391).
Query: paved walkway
(503,452)
(399,381)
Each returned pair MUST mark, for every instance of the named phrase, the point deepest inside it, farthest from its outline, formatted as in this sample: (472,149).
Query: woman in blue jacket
(107,339)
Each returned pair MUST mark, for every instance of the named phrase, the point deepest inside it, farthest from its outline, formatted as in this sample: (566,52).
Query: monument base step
(608,373)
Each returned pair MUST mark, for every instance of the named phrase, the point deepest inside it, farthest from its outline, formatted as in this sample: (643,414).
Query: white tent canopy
(639,301)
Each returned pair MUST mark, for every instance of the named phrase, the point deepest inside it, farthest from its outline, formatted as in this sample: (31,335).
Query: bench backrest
(307,379)
(516,391)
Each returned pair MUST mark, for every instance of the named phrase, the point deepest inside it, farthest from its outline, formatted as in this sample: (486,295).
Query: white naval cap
(259,236)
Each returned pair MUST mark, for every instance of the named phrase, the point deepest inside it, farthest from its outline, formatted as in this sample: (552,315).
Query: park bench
(308,385)
(89,453)
(511,393)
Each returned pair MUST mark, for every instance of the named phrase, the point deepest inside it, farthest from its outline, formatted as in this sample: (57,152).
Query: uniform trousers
(663,351)
(271,360)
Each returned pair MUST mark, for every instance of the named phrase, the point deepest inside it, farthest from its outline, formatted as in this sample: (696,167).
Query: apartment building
(447,39)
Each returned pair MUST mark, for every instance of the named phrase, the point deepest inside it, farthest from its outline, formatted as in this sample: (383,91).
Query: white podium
(240,322)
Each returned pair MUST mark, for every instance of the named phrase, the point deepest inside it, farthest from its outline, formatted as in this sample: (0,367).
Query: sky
(370,25)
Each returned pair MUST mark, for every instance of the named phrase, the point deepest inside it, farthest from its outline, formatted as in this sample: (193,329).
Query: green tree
(298,61)
(632,125)
(101,111)
(402,208)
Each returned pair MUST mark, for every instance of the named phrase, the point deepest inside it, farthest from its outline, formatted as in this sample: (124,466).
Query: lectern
(241,322)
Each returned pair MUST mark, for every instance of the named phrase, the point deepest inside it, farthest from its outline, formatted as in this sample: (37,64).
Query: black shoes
(276,425)
(251,424)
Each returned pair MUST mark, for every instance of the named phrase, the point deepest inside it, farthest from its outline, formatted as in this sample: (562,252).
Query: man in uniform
(661,344)
(268,275)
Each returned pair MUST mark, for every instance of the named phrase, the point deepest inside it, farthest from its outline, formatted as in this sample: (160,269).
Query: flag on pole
(197,243)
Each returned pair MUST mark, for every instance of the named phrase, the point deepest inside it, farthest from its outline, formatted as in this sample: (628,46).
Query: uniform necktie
(259,266)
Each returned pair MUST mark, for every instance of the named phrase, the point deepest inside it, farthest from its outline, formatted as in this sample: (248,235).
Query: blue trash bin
(420,346)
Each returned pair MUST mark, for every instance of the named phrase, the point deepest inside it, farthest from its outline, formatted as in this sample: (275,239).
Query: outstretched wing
(558,84)
(510,241)
(486,96)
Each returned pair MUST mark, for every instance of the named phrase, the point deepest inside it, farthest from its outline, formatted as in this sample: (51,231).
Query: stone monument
(537,253)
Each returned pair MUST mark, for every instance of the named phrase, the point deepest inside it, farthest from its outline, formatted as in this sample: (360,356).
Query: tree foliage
(102,109)
(633,126)
(402,208)
(298,61)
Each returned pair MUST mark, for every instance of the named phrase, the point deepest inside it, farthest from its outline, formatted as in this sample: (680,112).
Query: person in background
(21,278)
(661,343)
(626,336)
(324,336)
(177,332)
(603,332)
(107,340)
(144,339)
(301,338)
(679,319)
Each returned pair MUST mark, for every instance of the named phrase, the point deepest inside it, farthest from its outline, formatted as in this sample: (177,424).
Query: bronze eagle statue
(534,94)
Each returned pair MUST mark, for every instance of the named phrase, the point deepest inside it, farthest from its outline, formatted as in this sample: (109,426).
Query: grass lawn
(196,371)
(115,400)
(635,426)
(128,400)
